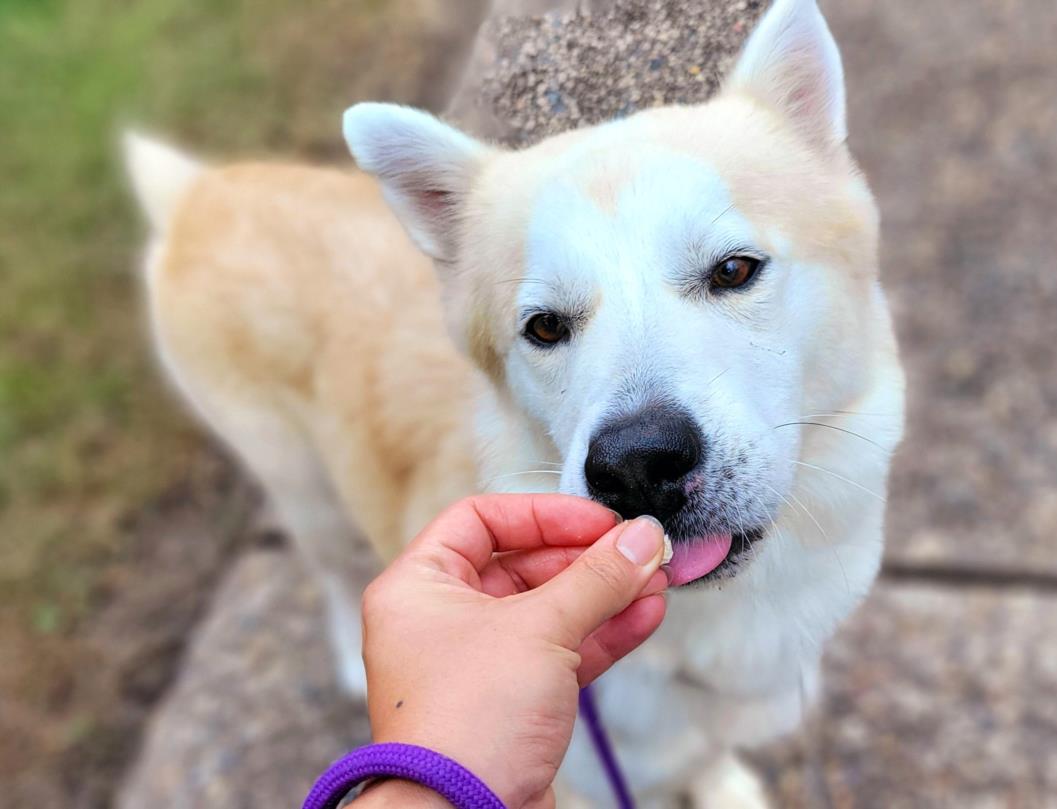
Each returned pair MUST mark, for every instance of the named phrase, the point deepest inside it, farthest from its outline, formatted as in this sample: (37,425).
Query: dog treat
(556,72)
(669,551)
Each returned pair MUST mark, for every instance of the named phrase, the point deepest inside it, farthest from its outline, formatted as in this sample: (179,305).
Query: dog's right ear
(792,63)
(425,166)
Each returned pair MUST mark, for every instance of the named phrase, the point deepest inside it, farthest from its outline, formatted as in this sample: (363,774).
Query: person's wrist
(482,759)
(394,793)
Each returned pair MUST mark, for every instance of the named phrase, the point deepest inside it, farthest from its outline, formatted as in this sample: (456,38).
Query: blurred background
(116,516)
(118,519)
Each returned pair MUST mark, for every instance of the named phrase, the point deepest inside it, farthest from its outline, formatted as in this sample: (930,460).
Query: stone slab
(953,114)
(933,698)
(255,714)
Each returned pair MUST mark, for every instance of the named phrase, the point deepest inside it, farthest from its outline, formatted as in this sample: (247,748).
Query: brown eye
(734,272)
(546,329)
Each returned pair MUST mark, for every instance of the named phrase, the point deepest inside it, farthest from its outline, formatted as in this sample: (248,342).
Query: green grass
(88,432)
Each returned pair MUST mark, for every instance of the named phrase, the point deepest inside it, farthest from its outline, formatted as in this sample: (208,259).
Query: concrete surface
(953,111)
(256,713)
(934,697)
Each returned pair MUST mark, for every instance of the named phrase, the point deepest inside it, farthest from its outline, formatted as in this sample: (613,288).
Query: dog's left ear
(792,63)
(425,166)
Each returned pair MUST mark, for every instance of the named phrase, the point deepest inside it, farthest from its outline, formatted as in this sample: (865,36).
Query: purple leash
(589,712)
(459,786)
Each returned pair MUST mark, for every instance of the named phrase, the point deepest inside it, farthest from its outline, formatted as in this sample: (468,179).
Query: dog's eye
(734,272)
(546,329)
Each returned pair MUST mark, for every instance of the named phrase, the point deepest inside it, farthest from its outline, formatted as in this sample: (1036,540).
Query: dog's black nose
(637,465)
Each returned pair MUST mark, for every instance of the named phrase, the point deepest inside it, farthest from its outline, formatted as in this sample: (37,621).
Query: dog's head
(667,296)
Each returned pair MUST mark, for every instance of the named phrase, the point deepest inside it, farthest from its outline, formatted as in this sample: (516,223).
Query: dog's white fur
(293,313)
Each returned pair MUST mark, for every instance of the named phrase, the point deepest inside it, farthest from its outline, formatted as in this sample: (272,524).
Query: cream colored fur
(367,386)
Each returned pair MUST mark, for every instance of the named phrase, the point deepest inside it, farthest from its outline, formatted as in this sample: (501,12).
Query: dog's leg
(341,558)
(346,631)
(298,486)
(333,546)
(729,784)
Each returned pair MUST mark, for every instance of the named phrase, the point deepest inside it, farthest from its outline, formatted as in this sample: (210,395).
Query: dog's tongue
(698,557)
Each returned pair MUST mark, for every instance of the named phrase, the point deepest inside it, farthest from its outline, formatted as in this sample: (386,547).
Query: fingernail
(642,540)
(616,516)
(668,573)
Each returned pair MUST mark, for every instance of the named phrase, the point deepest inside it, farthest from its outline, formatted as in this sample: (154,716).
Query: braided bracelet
(447,778)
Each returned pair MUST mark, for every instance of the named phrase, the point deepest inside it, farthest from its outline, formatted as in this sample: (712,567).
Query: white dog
(676,314)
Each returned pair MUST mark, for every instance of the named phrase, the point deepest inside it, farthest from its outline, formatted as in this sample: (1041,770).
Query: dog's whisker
(718,376)
(522,280)
(838,413)
(832,427)
(723,213)
(841,477)
(843,570)
(825,538)
(805,635)
(861,413)
(741,527)
(774,527)
(785,500)
(777,494)
(497,478)
(528,472)
(818,525)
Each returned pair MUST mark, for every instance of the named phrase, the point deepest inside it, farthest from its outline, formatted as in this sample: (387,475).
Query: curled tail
(160,174)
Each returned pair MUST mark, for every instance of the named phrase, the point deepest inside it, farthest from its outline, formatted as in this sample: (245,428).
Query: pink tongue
(698,557)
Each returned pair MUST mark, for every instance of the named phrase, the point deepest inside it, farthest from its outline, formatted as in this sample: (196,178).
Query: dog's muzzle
(639,464)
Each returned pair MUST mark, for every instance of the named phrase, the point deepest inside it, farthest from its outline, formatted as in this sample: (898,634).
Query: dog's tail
(161,175)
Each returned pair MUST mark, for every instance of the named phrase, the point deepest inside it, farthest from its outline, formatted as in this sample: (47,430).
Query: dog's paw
(730,784)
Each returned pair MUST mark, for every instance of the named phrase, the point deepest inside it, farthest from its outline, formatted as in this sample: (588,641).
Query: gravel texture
(555,74)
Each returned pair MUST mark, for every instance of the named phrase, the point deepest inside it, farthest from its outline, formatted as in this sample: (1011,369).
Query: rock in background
(584,63)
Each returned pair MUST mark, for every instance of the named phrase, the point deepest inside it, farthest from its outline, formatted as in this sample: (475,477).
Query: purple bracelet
(447,778)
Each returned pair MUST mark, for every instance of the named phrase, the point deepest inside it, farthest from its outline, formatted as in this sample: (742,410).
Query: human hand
(479,636)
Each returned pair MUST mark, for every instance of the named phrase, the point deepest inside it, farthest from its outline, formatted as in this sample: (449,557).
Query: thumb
(604,580)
